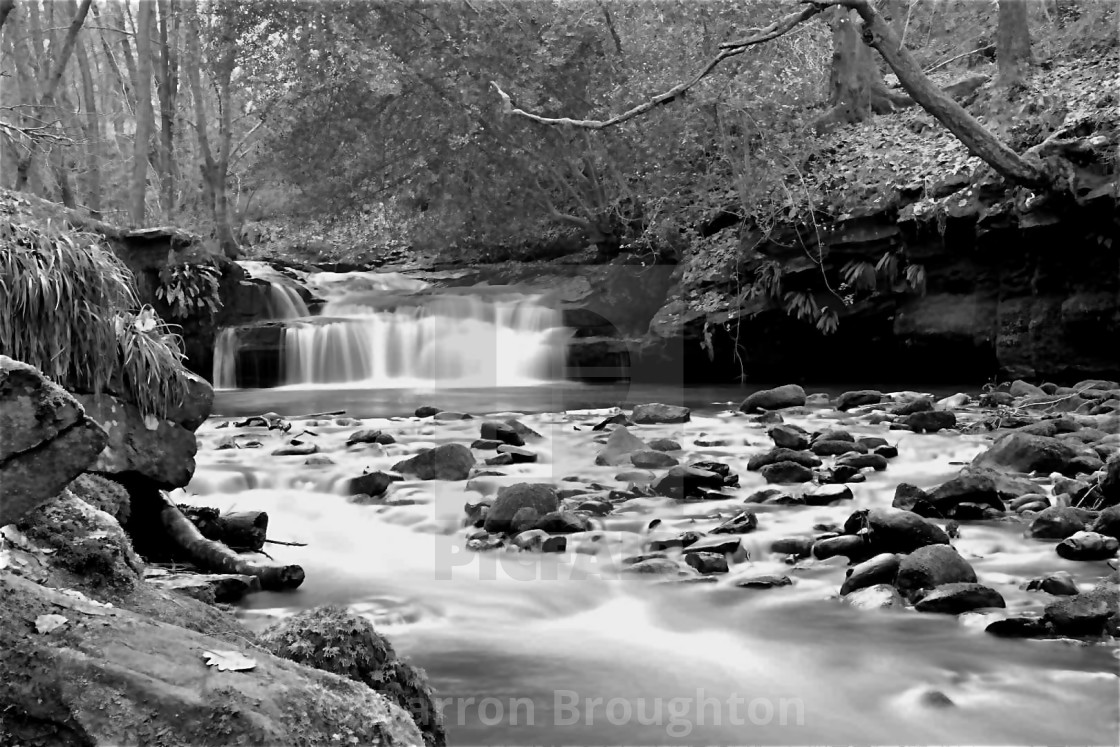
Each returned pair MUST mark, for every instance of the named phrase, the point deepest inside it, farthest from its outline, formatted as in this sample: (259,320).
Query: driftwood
(241,531)
(214,557)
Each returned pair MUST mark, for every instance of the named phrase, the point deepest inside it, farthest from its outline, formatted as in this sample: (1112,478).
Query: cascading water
(387,330)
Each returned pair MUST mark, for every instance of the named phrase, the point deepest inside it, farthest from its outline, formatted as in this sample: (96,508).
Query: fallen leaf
(46,623)
(228,661)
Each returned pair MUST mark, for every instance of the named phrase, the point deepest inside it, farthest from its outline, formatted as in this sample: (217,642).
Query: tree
(144,115)
(1013,43)
(856,87)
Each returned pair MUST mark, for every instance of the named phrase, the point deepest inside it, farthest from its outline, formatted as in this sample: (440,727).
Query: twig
(322,414)
(954,59)
(286,544)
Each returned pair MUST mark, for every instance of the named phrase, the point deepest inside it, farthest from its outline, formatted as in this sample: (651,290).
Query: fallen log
(241,531)
(215,557)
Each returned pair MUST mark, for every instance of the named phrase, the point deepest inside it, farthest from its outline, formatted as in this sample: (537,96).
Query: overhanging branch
(773,31)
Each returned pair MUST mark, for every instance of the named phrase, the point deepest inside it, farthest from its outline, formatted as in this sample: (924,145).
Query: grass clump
(68,306)
(339,641)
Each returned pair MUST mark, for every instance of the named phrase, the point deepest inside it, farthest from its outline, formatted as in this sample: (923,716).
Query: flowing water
(523,644)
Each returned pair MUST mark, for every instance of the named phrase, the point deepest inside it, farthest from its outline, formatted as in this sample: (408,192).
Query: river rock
(740,523)
(517,454)
(895,531)
(863,461)
(682,482)
(1107,522)
(1110,483)
(664,444)
(1022,452)
(1058,583)
(724,544)
(824,495)
(452,415)
(374,483)
(931,421)
(563,522)
(851,546)
(1020,627)
(210,588)
(1085,614)
(849,400)
(618,448)
(1056,523)
(540,497)
(922,404)
(790,395)
(763,581)
(652,459)
(912,498)
(427,411)
(619,418)
(370,436)
(786,472)
(296,449)
(804,458)
(485,444)
(524,520)
(492,430)
(707,562)
(798,547)
(1088,546)
(656,412)
(931,566)
(444,462)
(836,448)
(877,597)
(880,569)
(968,487)
(789,437)
(958,598)
(499,460)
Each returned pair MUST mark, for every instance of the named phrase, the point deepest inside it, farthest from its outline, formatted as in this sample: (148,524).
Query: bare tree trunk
(168,94)
(47,100)
(1013,43)
(6,7)
(138,182)
(92,130)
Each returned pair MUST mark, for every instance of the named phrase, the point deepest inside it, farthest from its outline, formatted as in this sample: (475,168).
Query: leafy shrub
(190,289)
(336,640)
(68,306)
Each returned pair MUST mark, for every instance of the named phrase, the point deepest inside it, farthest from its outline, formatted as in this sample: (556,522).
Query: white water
(382,330)
(507,625)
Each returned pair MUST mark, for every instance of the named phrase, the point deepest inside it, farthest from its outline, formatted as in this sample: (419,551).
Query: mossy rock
(103,494)
(339,641)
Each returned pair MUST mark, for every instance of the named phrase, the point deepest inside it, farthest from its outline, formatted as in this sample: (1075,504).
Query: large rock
(786,472)
(655,413)
(1110,484)
(1021,452)
(957,598)
(1085,614)
(683,482)
(790,395)
(1088,546)
(160,450)
(980,486)
(620,445)
(881,569)
(1056,523)
(444,462)
(931,566)
(789,437)
(930,421)
(849,400)
(196,406)
(1107,522)
(877,597)
(893,530)
(45,439)
(109,676)
(512,498)
(804,458)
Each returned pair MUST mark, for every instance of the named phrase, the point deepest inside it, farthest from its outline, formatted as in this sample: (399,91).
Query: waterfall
(285,302)
(225,359)
(449,340)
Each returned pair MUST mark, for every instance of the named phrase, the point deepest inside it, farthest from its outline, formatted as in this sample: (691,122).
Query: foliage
(190,289)
(339,641)
(68,307)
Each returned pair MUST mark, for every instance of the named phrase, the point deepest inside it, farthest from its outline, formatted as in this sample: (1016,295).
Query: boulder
(1020,627)
(763,581)
(196,405)
(525,520)
(877,597)
(876,462)
(804,458)
(790,395)
(1110,483)
(786,472)
(652,459)
(1107,522)
(682,482)
(427,411)
(664,444)
(707,562)
(372,484)
(444,462)
(160,450)
(881,569)
(799,547)
(1021,452)
(958,598)
(849,400)
(789,437)
(655,412)
(517,455)
(563,522)
(832,447)
(1020,388)
(824,495)
(619,418)
(618,448)
(1088,546)
(854,547)
(512,498)
(115,677)
(931,421)
(892,530)
(1056,523)
(485,444)
(296,449)
(46,440)
(976,488)
(931,566)
(912,498)
(495,431)
(922,404)
(1059,583)
(740,523)
(1086,614)
(370,436)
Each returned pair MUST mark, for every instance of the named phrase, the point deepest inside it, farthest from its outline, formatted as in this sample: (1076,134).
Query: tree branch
(773,31)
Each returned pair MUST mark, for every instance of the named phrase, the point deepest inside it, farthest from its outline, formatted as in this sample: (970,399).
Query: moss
(336,640)
(103,494)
